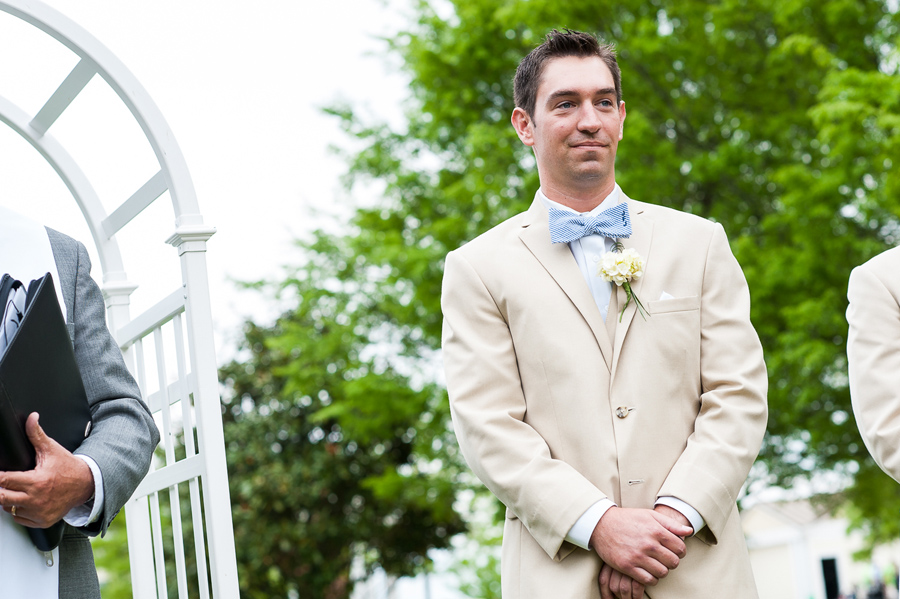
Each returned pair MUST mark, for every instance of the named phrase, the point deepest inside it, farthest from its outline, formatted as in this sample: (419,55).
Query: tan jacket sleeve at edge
(873,353)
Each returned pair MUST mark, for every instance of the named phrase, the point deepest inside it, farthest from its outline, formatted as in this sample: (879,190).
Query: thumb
(36,434)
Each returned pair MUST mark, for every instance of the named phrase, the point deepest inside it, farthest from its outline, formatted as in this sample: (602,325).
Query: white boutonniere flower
(622,267)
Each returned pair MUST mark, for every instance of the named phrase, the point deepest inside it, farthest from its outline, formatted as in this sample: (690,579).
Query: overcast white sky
(241,86)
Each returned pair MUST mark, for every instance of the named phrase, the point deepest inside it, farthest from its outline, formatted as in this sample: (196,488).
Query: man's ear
(521,122)
(621,120)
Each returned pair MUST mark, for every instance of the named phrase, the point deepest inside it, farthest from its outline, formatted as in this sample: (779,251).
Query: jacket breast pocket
(675,304)
(671,345)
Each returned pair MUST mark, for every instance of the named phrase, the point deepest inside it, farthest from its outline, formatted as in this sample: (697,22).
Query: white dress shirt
(588,251)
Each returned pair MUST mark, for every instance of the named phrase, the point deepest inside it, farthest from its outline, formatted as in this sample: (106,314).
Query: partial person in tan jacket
(873,356)
(617,439)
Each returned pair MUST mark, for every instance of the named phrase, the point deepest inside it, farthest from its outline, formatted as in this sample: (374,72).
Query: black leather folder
(38,373)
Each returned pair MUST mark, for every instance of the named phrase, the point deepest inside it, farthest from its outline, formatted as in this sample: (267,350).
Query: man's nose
(588,119)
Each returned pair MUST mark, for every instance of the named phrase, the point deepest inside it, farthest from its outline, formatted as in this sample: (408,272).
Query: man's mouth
(589,144)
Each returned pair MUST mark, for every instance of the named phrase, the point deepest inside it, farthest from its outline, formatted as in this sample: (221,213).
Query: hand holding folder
(38,373)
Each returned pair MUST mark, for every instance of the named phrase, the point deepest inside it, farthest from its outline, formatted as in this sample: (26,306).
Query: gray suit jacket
(123,435)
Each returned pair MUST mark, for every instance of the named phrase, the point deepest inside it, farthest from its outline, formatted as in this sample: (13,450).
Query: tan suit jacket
(873,353)
(535,383)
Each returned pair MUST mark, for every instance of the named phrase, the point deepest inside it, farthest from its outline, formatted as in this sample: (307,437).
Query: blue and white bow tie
(566,227)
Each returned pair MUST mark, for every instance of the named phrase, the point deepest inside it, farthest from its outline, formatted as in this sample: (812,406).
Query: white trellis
(188,486)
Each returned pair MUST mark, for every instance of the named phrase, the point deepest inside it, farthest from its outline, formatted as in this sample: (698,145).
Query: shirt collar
(613,199)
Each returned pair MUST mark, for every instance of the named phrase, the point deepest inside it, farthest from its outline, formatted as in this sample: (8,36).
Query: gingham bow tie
(566,227)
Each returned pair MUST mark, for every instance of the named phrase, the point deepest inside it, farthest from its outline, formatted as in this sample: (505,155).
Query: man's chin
(589,172)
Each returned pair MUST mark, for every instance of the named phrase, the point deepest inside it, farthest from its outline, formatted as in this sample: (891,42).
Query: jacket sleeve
(123,434)
(873,353)
(731,422)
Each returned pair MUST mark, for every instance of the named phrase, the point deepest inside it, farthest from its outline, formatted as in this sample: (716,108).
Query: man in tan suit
(617,440)
(873,353)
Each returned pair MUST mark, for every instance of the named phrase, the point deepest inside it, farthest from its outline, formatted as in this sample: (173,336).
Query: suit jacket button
(622,411)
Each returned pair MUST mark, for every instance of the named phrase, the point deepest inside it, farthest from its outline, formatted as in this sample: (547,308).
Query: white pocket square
(666,296)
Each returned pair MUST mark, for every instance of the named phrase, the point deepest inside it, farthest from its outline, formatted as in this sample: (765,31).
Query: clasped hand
(638,548)
(59,482)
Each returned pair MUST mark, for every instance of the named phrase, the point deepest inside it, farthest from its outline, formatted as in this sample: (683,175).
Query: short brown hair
(557,45)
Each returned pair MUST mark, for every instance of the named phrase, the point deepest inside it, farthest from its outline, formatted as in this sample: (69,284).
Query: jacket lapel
(641,236)
(558,260)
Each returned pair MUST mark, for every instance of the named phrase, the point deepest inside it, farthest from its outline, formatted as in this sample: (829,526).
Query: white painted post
(190,238)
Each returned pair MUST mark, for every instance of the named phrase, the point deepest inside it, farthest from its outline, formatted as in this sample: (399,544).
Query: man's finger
(621,584)
(21,516)
(673,545)
(676,545)
(614,578)
(35,433)
(637,590)
(648,578)
(630,588)
(648,567)
(45,447)
(605,574)
(9,498)
(13,481)
(676,528)
(673,535)
(668,558)
(615,585)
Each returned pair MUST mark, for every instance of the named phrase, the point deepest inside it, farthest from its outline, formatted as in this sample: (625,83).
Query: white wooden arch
(183,390)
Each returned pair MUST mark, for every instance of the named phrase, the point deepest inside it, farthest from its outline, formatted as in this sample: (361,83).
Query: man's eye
(566,105)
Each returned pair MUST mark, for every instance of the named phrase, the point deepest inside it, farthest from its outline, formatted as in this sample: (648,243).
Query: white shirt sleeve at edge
(580,533)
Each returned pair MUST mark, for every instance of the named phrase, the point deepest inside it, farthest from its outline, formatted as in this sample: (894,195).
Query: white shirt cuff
(581,531)
(693,516)
(88,512)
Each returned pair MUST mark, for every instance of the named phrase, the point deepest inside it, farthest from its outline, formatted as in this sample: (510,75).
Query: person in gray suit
(121,442)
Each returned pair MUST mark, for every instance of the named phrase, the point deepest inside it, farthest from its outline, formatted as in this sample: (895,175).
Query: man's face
(576,127)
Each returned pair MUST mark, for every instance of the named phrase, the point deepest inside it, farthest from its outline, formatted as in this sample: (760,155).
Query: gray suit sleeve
(123,435)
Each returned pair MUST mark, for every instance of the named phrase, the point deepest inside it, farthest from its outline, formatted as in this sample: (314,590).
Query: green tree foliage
(337,450)
(112,560)
(777,118)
